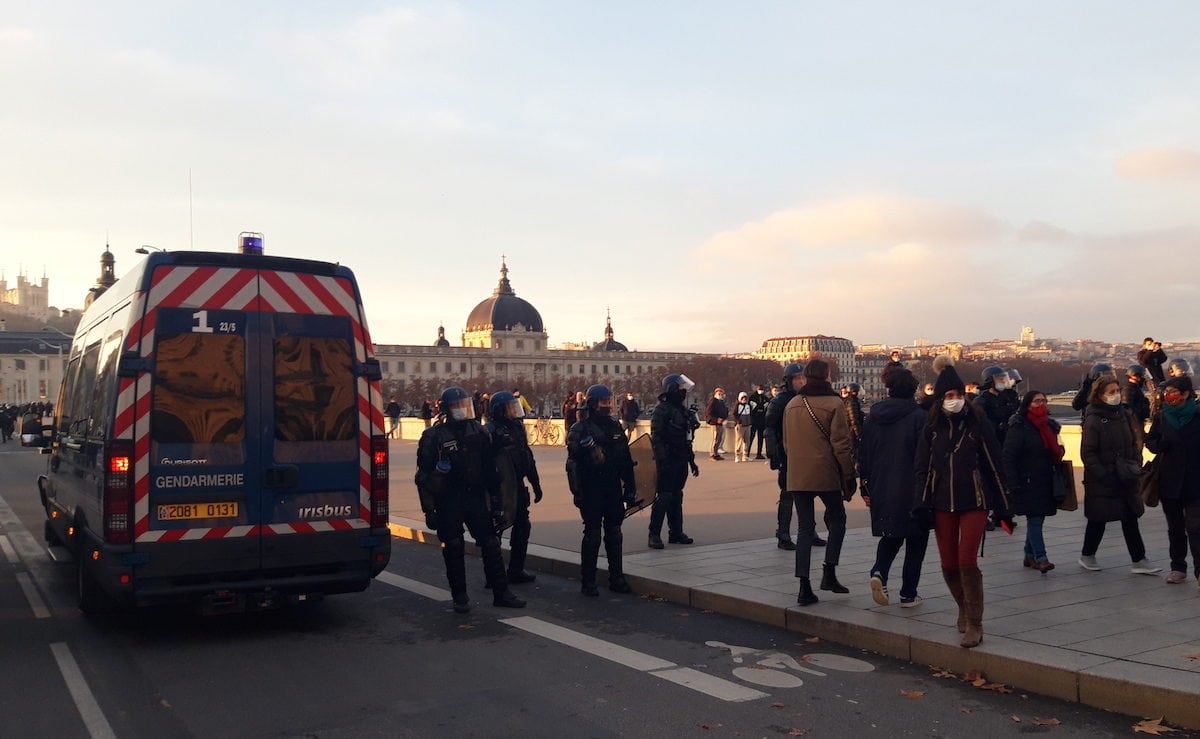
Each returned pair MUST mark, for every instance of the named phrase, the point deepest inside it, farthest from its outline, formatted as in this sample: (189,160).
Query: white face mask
(459,414)
(953,406)
(1113,398)
(1001,385)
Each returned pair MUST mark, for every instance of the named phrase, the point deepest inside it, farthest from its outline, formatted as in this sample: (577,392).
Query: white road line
(413,586)
(9,553)
(36,604)
(687,677)
(89,710)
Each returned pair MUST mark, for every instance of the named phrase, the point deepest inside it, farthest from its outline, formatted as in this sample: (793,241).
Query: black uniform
(671,432)
(457,482)
(1135,400)
(510,445)
(997,409)
(775,453)
(758,420)
(603,473)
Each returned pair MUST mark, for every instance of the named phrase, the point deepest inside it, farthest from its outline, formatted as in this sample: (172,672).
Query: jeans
(718,439)
(1129,527)
(1035,543)
(835,519)
(914,557)
(756,431)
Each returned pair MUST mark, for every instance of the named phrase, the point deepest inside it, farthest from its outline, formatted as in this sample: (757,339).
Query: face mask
(953,406)
(459,414)
(1113,398)
(1001,385)
(1038,411)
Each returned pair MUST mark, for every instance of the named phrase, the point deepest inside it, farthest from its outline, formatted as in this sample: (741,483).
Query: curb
(1097,681)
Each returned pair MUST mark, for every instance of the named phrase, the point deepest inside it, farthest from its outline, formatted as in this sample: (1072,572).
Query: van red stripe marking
(339,524)
(319,290)
(172,535)
(179,296)
(237,281)
(285,292)
(303,528)
(217,533)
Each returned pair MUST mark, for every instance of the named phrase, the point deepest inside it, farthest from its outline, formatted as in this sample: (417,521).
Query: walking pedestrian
(599,452)
(392,411)
(630,411)
(671,436)
(793,379)
(458,484)
(886,463)
(958,479)
(427,412)
(820,453)
(1111,450)
(741,429)
(1174,437)
(716,413)
(759,402)
(510,445)
(1031,451)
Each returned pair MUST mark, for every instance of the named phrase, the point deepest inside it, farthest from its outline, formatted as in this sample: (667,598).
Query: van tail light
(118,492)
(379,481)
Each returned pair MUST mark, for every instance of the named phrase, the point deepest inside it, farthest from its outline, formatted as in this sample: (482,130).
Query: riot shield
(510,490)
(644,471)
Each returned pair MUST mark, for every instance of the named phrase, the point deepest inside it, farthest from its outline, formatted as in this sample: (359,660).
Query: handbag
(847,486)
(1148,483)
(1064,477)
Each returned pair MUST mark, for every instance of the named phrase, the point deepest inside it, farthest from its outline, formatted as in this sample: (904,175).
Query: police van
(218,437)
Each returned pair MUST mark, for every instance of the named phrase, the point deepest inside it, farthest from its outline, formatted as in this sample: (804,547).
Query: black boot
(589,551)
(518,546)
(613,539)
(818,541)
(675,521)
(806,597)
(785,541)
(829,581)
(655,542)
(493,568)
(453,554)
(680,538)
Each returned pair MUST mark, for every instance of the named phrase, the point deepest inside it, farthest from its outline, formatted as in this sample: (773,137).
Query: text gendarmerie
(215,480)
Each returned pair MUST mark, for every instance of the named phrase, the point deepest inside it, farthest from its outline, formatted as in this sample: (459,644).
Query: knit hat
(1183,383)
(818,369)
(948,378)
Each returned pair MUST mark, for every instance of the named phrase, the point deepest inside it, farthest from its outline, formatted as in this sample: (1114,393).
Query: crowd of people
(22,419)
(950,459)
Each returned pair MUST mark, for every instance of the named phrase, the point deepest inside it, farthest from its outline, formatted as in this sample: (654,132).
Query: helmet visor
(516,410)
(462,410)
(685,383)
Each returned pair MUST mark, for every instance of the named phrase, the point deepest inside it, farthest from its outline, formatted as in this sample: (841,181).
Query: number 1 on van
(201,326)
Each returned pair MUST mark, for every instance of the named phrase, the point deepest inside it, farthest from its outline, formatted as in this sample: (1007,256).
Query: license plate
(184,511)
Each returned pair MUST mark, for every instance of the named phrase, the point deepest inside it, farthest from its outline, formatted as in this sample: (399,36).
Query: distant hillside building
(26,297)
(803,348)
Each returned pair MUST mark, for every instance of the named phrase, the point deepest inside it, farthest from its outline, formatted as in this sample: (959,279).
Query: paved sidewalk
(1110,639)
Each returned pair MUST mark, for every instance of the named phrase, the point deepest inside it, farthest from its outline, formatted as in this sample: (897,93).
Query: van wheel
(51,536)
(92,598)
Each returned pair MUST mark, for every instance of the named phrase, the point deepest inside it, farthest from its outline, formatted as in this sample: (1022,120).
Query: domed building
(505,321)
(609,344)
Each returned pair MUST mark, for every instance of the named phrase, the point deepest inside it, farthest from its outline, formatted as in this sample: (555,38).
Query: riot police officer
(671,433)
(994,400)
(514,460)
(1080,402)
(793,378)
(604,485)
(458,484)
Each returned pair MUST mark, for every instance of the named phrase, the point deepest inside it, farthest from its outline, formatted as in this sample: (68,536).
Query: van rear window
(315,395)
(199,389)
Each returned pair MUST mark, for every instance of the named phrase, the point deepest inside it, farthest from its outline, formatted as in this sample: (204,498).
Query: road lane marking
(85,702)
(687,677)
(413,586)
(36,604)
(9,553)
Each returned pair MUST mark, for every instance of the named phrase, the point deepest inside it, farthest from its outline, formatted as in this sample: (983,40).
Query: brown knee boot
(972,582)
(954,583)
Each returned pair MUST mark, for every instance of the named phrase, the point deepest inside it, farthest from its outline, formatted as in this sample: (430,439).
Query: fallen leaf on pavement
(964,709)
(998,687)
(778,705)
(939,672)
(1046,721)
(979,682)
(813,640)
(1015,718)
(798,732)
(913,694)
(465,626)
(972,675)
(1152,726)
(683,615)
(1192,656)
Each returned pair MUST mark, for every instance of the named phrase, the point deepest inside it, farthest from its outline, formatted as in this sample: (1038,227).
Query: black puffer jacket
(1029,468)
(1109,434)
(958,465)
(1135,400)
(885,463)
(1178,458)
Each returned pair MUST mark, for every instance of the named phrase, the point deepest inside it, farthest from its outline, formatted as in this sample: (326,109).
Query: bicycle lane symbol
(770,667)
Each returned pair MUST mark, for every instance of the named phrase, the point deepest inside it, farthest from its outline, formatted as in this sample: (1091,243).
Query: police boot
(830,582)
(453,553)
(493,568)
(657,513)
(972,586)
(806,597)
(675,533)
(589,551)
(518,546)
(612,549)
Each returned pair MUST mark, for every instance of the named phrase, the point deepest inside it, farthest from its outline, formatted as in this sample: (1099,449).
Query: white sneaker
(879,591)
(1143,567)
(1089,563)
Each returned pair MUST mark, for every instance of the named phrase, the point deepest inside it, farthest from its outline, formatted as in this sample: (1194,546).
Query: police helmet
(854,388)
(1015,376)
(500,403)
(1099,369)
(455,398)
(1179,368)
(672,383)
(988,377)
(795,369)
(1136,370)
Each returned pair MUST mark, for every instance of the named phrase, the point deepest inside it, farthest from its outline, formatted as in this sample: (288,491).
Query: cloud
(1159,163)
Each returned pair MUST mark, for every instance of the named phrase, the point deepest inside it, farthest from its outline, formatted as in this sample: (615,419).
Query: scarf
(1040,418)
(1180,415)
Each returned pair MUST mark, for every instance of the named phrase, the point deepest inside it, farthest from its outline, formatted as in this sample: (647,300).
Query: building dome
(609,344)
(504,311)
(441,339)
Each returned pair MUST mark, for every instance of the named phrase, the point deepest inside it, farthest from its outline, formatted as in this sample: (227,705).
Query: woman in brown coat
(820,454)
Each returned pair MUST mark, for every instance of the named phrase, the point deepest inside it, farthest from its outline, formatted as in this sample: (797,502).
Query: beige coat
(813,463)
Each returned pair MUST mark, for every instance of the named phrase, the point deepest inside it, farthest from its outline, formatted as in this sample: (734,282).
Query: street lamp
(147,248)
(60,333)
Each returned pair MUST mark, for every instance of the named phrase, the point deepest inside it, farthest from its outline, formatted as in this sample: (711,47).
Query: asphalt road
(395,661)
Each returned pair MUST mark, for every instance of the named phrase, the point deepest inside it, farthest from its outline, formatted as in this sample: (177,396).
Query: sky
(715,174)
